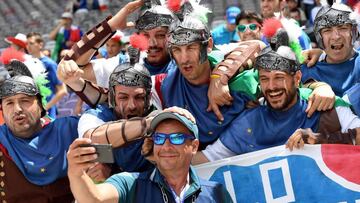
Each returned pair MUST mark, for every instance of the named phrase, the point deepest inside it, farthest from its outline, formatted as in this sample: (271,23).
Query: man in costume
(173,180)
(187,86)
(125,120)
(201,66)
(152,23)
(335,33)
(129,100)
(33,148)
(272,124)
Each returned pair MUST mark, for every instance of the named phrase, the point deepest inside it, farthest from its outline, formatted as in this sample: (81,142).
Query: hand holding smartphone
(104,152)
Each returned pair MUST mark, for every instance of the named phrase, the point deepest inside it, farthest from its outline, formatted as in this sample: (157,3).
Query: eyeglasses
(174,138)
(243,27)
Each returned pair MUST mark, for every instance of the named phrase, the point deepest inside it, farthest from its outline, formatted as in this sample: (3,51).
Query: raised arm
(240,59)
(80,159)
(56,29)
(82,52)
(70,73)
(85,49)
(123,131)
(120,132)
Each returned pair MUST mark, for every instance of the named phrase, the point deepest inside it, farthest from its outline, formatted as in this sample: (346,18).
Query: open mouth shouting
(337,47)
(187,68)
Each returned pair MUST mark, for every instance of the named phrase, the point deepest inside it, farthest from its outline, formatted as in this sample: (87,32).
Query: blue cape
(42,158)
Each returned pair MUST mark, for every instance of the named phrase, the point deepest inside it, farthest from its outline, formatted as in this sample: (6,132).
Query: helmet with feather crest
(190,26)
(281,54)
(15,78)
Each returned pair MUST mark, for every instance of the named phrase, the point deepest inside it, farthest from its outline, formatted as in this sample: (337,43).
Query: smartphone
(104,152)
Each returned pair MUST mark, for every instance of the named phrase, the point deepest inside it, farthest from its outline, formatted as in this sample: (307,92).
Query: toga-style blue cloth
(177,91)
(263,127)
(42,157)
(340,77)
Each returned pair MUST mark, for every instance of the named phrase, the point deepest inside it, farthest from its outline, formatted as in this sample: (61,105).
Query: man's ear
(210,45)
(195,143)
(297,78)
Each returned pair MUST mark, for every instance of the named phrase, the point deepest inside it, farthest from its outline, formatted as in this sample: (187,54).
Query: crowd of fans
(172,95)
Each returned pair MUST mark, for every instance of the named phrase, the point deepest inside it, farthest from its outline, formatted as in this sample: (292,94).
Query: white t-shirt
(88,121)
(103,68)
(35,66)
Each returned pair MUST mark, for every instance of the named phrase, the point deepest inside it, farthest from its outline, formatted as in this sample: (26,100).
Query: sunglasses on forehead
(174,138)
(243,27)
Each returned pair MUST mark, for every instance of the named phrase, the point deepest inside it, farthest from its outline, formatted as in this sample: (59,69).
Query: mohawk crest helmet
(278,56)
(337,14)
(154,15)
(19,80)
(131,74)
(281,38)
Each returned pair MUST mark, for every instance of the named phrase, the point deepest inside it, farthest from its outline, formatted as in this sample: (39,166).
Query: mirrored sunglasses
(174,138)
(243,27)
